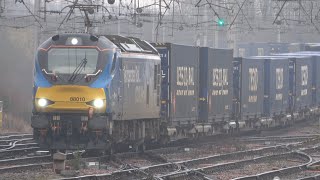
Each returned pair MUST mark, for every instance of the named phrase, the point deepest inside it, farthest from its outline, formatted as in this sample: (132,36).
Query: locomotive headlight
(42,102)
(74,41)
(98,103)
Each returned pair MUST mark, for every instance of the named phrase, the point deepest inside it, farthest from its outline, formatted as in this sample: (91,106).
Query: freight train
(102,92)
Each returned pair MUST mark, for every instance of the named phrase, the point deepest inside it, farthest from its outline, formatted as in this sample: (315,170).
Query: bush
(17,122)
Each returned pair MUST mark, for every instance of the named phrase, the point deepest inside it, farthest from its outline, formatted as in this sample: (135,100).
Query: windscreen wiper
(78,69)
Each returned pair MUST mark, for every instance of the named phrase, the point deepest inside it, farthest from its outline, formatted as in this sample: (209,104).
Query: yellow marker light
(42,102)
(98,103)
(74,41)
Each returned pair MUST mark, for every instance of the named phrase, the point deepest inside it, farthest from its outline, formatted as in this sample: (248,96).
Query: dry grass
(15,123)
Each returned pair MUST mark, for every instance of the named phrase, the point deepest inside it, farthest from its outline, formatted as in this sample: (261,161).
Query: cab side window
(114,60)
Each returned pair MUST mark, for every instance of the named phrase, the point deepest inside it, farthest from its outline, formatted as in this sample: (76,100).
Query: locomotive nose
(68,98)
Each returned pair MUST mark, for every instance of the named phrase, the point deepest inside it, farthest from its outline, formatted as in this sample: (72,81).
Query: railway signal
(220,22)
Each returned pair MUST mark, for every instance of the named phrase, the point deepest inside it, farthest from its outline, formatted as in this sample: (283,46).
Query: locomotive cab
(71,91)
(96,92)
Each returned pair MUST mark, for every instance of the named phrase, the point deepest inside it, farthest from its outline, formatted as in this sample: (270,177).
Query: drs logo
(279,76)
(304,75)
(253,79)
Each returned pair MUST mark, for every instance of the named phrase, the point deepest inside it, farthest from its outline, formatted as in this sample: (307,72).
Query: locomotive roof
(82,40)
(131,44)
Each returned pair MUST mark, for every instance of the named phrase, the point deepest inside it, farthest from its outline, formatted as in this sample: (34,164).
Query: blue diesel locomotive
(93,92)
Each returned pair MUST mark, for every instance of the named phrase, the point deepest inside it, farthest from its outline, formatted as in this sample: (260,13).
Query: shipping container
(276,86)
(315,56)
(261,49)
(215,84)
(179,89)
(251,85)
(316,75)
(312,47)
(244,50)
(300,80)
(296,47)
(302,66)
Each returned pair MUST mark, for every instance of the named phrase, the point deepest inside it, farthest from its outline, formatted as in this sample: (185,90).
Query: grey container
(179,89)
(215,84)
(251,84)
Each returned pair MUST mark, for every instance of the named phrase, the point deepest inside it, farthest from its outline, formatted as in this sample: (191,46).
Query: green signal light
(220,22)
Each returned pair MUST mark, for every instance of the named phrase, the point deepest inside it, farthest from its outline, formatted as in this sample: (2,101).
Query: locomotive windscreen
(71,65)
(66,60)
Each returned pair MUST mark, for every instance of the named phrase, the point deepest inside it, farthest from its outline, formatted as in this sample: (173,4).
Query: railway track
(210,167)
(278,138)
(305,172)
(5,154)
(164,168)
(16,145)
(183,172)
(15,136)
(29,163)
(7,142)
